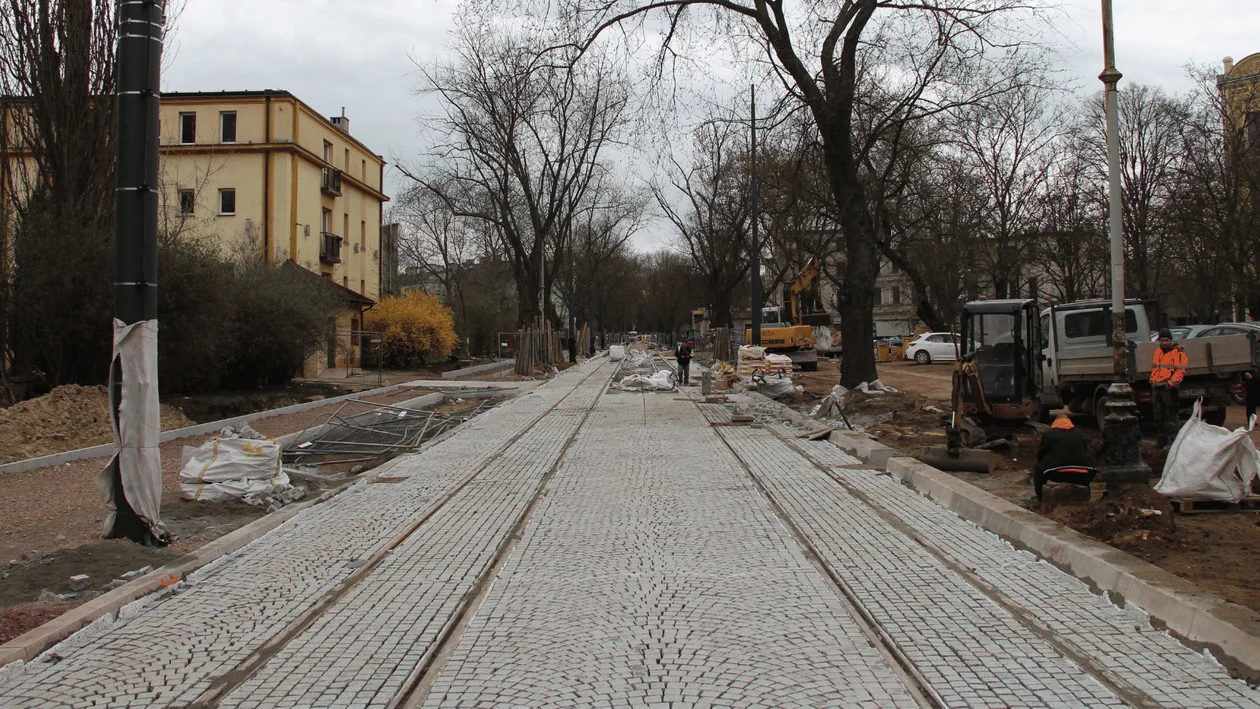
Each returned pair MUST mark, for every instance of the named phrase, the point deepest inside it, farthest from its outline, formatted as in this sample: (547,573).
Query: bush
(414,327)
(235,323)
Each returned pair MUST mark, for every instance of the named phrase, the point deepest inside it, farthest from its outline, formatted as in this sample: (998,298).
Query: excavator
(996,385)
(789,330)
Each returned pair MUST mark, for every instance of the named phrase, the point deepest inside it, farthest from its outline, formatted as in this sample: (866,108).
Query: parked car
(1182,332)
(1239,395)
(1227,328)
(933,347)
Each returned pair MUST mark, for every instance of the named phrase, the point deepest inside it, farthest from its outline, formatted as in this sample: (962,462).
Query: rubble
(79,582)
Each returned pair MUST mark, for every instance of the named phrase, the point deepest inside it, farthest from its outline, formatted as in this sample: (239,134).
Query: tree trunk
(722,308)
(857,308)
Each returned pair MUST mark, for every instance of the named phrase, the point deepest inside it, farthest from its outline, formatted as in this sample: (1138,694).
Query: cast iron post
(1121,433)
(755,250)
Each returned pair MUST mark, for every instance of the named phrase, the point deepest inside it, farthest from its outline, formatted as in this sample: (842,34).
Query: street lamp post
(1121,434)
(755,250)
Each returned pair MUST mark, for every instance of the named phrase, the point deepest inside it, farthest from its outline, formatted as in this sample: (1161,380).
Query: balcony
(330,182)
(329,248)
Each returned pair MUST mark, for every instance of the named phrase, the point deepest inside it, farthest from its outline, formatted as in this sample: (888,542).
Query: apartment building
(263,172)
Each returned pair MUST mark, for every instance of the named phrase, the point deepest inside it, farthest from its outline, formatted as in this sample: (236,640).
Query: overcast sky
(358,53)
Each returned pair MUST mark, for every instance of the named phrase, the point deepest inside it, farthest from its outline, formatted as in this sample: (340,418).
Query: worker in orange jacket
(1168,369)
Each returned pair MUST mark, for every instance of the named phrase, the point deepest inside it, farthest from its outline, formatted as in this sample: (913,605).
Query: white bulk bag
(232,467)
(1209,461)
(616,353)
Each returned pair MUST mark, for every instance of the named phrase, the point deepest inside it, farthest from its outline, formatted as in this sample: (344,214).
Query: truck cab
(1000,359)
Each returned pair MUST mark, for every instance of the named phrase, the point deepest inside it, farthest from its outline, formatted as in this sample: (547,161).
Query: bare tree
(1213,202)
(817,52)
(1071,243)
(714,222)
(1150,130)
(524,145)
(1008,140)
(57,61)
(933,235)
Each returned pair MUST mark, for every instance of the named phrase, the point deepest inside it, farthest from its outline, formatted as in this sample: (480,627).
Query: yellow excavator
(789,330)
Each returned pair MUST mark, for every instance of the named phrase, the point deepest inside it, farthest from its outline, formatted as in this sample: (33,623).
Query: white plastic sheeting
(137,427)
(661,381)
(778,387)
(617,353)
(1210,462)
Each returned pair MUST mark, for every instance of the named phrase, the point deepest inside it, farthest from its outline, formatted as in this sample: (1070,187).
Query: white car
(933,347)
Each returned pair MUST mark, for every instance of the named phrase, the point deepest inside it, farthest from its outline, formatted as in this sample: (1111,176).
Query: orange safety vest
(1168,367)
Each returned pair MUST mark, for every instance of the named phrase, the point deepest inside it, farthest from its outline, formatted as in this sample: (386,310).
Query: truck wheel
(1100,411)
(922,357)
(1216,417)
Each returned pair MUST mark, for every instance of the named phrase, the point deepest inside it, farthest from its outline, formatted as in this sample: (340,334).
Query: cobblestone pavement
(653,574)
(586,547)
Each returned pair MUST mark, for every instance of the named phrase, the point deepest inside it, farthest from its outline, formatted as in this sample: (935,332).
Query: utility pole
(133,479)
(755,252)
(1121,434)
(573,348)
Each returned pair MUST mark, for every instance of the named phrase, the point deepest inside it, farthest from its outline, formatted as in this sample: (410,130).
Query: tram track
(915,680)
(230,681)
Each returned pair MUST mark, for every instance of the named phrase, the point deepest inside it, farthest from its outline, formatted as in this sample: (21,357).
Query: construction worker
(1063,456)
(1168,369)
(682,355)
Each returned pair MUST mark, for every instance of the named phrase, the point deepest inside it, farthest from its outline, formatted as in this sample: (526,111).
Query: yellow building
(264,171)
(1240,85)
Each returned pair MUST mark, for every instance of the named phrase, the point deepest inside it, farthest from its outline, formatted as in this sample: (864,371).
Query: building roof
(338,291)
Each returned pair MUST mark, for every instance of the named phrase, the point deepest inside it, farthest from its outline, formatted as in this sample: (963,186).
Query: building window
(1253,131)
(227,127)
(227,203)
(187,203)
(187,128)
(364,172)
(347,163)
(327,152)
(896,295)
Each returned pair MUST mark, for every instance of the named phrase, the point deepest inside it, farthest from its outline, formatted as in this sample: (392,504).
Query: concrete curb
(107,449)
(859,446)
(480,369)
(30,645)
(1230,631)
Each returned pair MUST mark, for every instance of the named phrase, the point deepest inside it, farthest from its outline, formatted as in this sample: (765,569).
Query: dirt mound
(1132,518)
(64,419)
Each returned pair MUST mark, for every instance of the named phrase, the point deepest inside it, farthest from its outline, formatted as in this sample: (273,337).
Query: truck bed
(1229,354)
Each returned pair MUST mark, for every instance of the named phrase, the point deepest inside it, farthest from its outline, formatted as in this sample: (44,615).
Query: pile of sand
(66,418)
